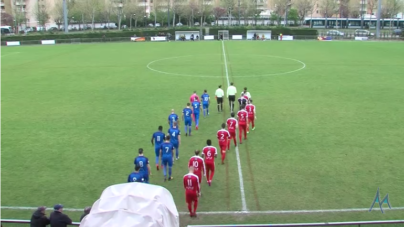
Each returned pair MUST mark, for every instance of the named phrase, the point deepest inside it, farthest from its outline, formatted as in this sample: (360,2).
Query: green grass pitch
(327,135)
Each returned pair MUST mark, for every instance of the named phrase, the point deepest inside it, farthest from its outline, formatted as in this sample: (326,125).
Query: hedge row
(148,32)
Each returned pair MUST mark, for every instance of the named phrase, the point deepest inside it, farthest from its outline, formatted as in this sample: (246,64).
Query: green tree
(293,15)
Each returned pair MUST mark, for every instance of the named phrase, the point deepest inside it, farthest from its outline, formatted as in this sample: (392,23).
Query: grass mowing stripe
(257,203)
(238,212)
(240,172)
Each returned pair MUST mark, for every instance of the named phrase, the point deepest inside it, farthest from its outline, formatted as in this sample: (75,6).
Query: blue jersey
(174,133)
(172,118)
(142,162)
(196,105)
(158,138)
(136,177)
(167,149)
(205,98)
(187,113)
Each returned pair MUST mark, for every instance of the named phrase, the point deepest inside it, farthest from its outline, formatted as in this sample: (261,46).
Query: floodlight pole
(379,7)
(65,16)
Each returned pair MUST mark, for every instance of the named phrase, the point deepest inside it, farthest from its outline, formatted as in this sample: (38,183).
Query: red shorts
(242,127)
(232,134)
(210,166)
(199,176)
(191,196)
(250,118)
(223,145)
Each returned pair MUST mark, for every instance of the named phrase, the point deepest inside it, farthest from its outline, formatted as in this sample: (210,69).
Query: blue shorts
(205,105)
(188,121)
(146,177)
(175,144)
(157,150)
(168,160)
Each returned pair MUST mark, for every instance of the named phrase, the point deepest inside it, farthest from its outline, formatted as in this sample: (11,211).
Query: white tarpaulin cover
(133,205)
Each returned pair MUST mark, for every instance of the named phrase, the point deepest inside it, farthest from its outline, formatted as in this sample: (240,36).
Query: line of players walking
(167,145)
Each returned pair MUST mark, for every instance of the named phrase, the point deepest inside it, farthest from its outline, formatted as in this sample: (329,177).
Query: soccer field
(329,129)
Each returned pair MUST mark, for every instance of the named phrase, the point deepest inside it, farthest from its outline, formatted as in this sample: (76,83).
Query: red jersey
(198,164)
(191,183)
(250,108)
(223,135)
(209,152)
(232,124)
(242,117)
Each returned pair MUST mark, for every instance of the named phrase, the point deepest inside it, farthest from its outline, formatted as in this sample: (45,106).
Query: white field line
(242,212)
(9,54)
(240,172)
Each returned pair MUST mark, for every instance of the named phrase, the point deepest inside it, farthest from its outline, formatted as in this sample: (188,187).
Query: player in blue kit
(187,117)
(143,163)
(197,107)
(167,157)
(156,140)
(173,117)
(175,140)
(205,103)
(136,176)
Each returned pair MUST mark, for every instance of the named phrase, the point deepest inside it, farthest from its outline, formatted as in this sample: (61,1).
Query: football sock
(157,160)
(189,130)
(207,175)
(186,128)
(253,125)
(228,145)
(169,171)
(204,110)
(165,170)
(190,208)
(195,206)
(221,106)
(211,175)
(235,141)
(197,121)
(218,109)
(245,134)
(177,152)
(240,134)
(223,155)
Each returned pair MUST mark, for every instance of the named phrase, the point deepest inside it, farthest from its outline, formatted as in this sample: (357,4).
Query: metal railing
(354,223)
(18,222)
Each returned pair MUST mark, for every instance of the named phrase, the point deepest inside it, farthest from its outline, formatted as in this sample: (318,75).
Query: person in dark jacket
(39,219)
(59,219)
(86,212)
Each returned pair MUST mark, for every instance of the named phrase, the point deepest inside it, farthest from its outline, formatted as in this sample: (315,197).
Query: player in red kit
(242,122)
(192,190)
(223,135)
(199,165)
(250,108)
(209,153)
(232,125)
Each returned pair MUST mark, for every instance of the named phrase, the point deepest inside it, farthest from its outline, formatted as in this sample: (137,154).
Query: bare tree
(6,19)
(354,9)
(344,8)
(228,5)
(18,14)
(280,8)
(57,12)
(371,5)
(91,8)
(303,7)
(328,9)
(218,12)
(108,12)
(176,8)
(41,14)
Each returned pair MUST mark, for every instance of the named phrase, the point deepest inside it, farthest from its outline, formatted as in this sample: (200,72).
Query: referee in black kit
(231,94)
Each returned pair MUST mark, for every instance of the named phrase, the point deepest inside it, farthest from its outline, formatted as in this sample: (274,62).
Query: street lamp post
(168,13)
(230,16)
(362,4)
(256,15)
(144,21)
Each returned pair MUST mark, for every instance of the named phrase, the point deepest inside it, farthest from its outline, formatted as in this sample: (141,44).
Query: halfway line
(240,172)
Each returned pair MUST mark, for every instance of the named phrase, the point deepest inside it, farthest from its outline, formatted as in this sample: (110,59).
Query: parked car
(335,33)
(196,23)
(54,29)
(359,32)
(157,25)
(179,24)
(397,31)
(151,25)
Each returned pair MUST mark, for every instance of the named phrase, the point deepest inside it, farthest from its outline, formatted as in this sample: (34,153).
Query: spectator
(39,219)
(86,211)
(59,219)
(192,37)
